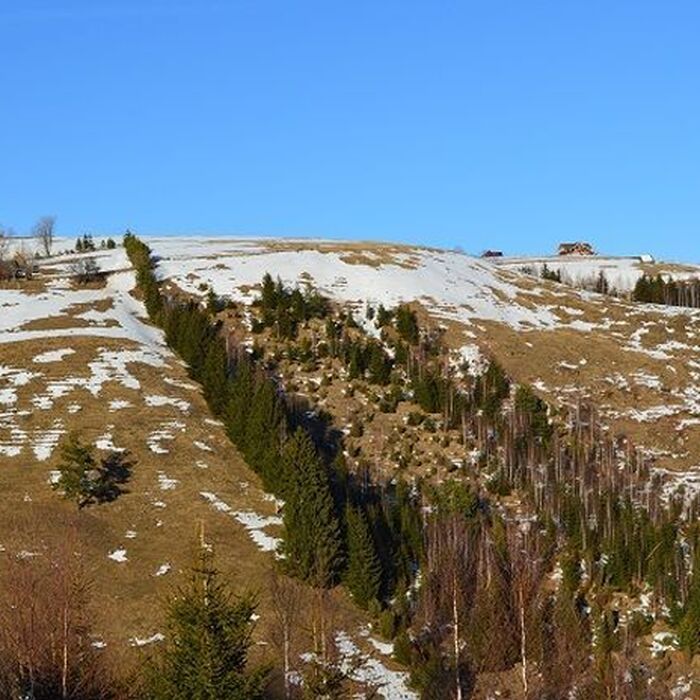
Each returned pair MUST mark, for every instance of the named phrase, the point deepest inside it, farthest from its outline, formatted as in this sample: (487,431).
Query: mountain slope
(639,363)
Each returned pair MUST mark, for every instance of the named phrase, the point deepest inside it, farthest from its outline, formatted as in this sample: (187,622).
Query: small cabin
(646,258)
(492,254)
(577,248)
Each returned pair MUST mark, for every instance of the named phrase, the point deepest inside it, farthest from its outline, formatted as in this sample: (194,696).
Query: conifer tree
(641,289)
(77,470)
(214,304)
(263,434)
(383,317)
(379,365)
(312,539)
(241,396)
(268,296)
(689,628)
(407,324)
(602,286)
(206,650)
(85,480)
(363,576)
(214,376)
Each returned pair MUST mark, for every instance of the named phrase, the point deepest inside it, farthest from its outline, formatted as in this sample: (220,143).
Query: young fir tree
(407,324)
(214,376)
(78,470)
(379,365)
(240,397)
(268,298)
(263,434)
(363,575)
(195,339)
(205,656)
(689,628)
(85,480)
(312,540)
(384,317)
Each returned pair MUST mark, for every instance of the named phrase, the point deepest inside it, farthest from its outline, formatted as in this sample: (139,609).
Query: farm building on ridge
(577,248)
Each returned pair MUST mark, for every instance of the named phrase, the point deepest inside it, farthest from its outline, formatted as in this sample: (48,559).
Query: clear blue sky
(483,124)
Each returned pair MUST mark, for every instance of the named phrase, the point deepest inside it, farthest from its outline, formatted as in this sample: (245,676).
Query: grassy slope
(159,519)
(639,363)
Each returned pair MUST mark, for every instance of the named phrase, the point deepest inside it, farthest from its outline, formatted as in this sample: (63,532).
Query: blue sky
(509,125)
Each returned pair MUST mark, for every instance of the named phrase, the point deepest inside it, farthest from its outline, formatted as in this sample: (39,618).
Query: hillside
(85,357)
(87,360)
(639,363)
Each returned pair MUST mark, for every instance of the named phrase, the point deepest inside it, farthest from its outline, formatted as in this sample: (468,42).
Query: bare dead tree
(287,599)
(5,266)
(528,567)
(43,231)
(4,242)
(45,639)
(448,592)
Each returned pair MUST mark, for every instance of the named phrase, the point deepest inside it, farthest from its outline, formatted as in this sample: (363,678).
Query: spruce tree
(205,656)
(312,539)
(363,575)
(689,628)
(379,365)
(383,317)
(85,480)
(407,324)
(77,469)
(268,298)
(214,376)
(263,434)
(240,398)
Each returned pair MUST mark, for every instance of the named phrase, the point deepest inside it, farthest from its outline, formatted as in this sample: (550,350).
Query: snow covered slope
(452,285)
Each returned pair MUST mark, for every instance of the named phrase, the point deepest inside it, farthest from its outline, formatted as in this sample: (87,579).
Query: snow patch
(53,355)
(253,522)
(118,555)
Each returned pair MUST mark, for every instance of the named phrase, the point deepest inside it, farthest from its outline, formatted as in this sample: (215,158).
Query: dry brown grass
(355,252)
(36,285)
(129,597)
(129,594)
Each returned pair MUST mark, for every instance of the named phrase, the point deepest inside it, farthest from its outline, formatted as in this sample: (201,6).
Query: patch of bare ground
(69,320)
(99,282)
(673,269)
(355,253)
(36,285)
(56,322)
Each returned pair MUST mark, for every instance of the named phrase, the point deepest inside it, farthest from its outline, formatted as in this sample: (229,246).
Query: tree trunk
(523,641)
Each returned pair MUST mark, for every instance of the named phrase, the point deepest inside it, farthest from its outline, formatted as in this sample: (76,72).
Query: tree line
(652,289)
